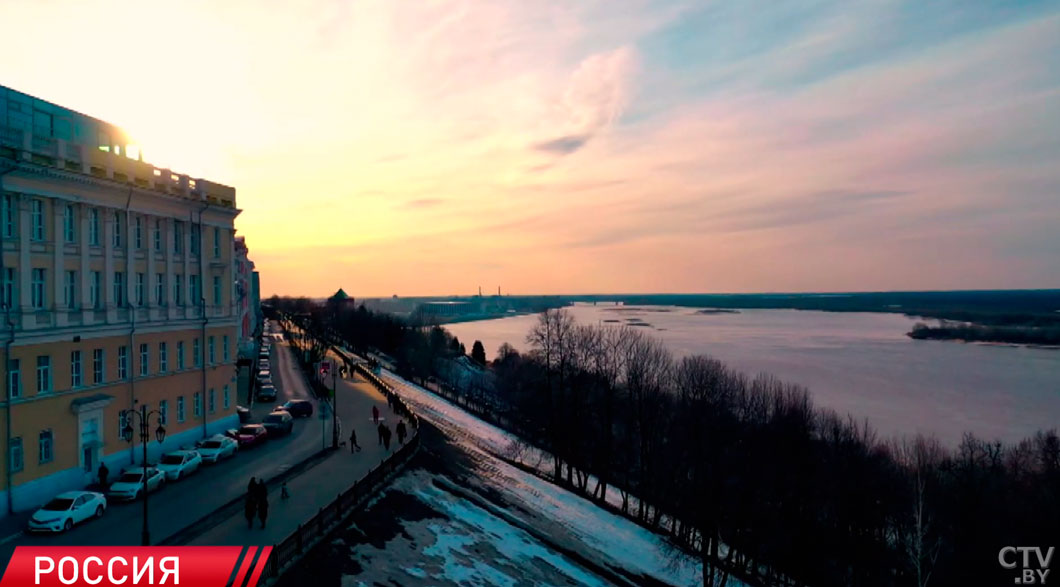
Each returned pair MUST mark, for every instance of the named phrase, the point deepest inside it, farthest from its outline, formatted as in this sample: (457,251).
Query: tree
(478,353)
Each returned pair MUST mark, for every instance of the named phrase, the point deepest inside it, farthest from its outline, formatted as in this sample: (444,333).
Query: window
(46,443)
(216,242)
(123,362)
(93,227)
(138,232)
(44,374)
(97,366)
(160,289)
(37,288)
(197,408)
(163,412)
(118,223)
(158,235)
(195,287)
(10,216)
(178,237)
(180,409)
(9,299)
(119,289)
(226,398)
(18,457)
(225,354)
(163,357)
(14,378)
(180,355)
(75,369)
(212,401)
(37,216)
(70,289)
(195,239)
(217,290)
(178,290)
(212,349)
(70,224)
(123,423)
(95,290)
(196,351)
(145,359)
(141,288)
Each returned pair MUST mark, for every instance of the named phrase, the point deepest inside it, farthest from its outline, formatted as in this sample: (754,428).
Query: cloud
(563,145)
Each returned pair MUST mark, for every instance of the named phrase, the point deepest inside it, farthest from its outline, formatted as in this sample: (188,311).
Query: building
(117,292)
(247,301)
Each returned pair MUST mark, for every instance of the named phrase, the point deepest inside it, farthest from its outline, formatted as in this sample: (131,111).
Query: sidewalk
(320,485)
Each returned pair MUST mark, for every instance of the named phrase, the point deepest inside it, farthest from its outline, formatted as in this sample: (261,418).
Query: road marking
(12,537)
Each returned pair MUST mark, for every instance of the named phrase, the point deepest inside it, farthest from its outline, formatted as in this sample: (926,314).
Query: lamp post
(160,434)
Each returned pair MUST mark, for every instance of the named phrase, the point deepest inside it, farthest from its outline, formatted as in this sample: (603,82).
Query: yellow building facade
(117,289)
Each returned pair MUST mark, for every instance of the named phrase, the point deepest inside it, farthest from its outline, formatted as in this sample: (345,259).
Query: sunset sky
(429,147)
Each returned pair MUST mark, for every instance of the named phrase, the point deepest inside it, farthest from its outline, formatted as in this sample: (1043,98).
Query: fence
(332,516)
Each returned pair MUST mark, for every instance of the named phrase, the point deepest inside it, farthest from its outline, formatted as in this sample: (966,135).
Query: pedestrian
(381,429)
(260,491)
(375,414)
(284,494)
(249,506)
(263,509)
(401,431)
(353,441)
(386,437)
(103,472)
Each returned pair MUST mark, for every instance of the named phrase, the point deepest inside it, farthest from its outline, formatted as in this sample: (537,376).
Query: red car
(251,435)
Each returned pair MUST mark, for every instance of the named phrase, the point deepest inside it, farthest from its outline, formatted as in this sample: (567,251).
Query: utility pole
(334,412)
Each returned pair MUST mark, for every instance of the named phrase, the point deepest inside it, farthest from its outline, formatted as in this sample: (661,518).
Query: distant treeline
(744,471)
(1037,335)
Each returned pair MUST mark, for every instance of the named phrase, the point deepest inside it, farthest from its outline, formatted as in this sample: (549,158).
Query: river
(856,363)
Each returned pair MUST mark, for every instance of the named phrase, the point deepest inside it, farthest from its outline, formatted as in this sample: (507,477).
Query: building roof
(340,295)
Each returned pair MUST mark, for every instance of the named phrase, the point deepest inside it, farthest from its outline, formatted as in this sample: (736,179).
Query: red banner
(126,566)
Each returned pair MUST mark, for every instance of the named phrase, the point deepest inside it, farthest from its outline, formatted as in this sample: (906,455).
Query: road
(321,484)
(182,502)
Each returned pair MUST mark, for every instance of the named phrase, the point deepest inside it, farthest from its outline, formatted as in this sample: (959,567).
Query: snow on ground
(607,539)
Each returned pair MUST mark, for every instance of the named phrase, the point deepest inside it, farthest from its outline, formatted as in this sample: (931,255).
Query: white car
(130,485)
(217,447)
(67,509)
(179,463)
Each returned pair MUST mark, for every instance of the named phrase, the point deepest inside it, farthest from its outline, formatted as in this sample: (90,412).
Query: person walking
(401,432)
(375,414)
(249,507)
(103,473)
(353,442)
(263,508)
(284,494)
(386,437)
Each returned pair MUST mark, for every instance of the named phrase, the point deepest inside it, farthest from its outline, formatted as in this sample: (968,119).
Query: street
(180,503)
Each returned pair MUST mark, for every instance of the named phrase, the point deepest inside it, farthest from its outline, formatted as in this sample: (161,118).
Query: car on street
(129,487)
(216,448)
(66,510)
(278,423)
(297,407)
(179,463)
(264,375)
(251,435)
(266,393)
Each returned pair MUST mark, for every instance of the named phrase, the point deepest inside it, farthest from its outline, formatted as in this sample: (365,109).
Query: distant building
(116,290)
(248,305)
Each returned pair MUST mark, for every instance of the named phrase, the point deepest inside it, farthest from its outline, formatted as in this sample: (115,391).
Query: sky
(429,147)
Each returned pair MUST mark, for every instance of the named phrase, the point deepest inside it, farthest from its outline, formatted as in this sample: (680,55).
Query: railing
(333,515)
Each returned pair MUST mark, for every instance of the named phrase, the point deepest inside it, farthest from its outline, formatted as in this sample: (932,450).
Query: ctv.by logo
(1009,559)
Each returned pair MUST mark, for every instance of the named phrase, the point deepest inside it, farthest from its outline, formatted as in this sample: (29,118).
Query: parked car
(130,485)
(67,509)
(217,447)
(263,364)
(264,375)
(232,433)
(266,393)
(279,422)
(297,407)
(179,463)
(251,435)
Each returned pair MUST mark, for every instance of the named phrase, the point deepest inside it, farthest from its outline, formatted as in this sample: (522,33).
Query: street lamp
(160,434)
